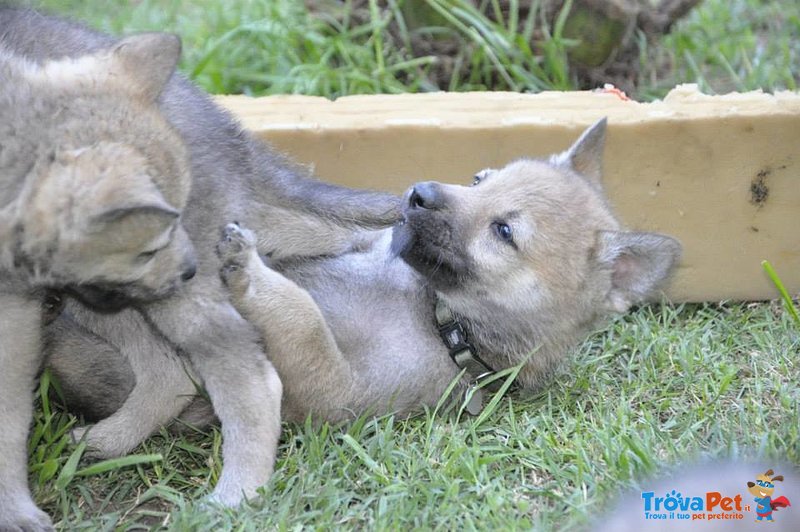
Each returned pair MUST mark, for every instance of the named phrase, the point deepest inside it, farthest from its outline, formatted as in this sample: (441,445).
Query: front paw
(23,516)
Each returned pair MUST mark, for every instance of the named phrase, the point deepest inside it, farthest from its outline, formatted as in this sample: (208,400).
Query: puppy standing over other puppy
(234,177)
(92,184)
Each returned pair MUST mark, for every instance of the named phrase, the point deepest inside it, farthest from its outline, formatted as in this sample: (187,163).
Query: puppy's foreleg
(20,357)
(243,386)
(316,376)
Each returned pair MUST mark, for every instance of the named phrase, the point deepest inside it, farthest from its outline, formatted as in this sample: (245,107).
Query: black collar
(461,350)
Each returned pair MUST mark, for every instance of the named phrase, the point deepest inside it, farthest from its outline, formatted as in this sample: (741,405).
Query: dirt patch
(759,191)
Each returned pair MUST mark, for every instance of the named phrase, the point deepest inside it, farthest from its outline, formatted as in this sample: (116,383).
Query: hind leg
(161,391)
(94,377)
(228,359)
(243,386)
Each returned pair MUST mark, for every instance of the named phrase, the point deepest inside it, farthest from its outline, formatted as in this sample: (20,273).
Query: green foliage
(277,46)
(726,46)
(791,308)
(657,387)
(266,47)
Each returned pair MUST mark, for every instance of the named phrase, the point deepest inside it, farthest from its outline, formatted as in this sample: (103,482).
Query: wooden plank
(721,173)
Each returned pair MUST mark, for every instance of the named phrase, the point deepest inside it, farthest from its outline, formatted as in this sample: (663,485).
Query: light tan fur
(94,179)
(92,184)
(234,177)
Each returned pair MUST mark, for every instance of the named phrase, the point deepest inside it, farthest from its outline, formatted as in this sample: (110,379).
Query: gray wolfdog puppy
(515,269)
(92,184)
(234,177)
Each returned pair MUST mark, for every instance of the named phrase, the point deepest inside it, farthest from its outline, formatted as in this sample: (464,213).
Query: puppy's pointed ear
(146,62)
(639,264)
(139,200)
(585,156)
(132,227)
(159,212)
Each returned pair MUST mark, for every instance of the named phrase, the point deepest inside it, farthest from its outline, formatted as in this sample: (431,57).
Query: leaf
(49,468)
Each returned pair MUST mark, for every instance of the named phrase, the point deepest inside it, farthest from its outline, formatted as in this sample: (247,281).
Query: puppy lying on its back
(92,184)
(521,264)
(516,268)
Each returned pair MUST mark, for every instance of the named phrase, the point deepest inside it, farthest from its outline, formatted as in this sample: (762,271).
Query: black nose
(189,272)
(425,196)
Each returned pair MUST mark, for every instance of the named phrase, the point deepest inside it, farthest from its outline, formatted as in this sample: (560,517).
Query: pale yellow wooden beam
(720,173)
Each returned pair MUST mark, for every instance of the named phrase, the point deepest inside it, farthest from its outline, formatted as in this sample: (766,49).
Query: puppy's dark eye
(504,232)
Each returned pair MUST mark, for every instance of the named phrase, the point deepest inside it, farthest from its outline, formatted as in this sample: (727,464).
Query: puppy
(514,270)
(234,177)
(92,184)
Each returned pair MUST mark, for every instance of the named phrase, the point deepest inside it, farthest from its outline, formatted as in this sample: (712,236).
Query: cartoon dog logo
(762,489)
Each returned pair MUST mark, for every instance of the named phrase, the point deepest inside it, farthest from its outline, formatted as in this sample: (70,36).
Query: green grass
(731,46)
(275,46)
(658,387)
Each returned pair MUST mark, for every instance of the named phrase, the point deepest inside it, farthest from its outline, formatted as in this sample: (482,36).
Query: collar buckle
(455,338)
(461,350)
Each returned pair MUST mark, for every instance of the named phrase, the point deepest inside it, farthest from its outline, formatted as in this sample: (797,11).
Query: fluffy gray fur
(235,177)
(354,332)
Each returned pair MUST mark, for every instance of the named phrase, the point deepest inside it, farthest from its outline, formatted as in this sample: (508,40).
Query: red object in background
(608,88)
(780,502)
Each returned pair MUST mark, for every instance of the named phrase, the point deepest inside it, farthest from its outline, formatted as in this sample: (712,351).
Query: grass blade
(787,300)
(70,467)
(118,463)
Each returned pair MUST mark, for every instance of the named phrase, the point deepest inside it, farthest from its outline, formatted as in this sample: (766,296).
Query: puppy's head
(107,176)
(531,254)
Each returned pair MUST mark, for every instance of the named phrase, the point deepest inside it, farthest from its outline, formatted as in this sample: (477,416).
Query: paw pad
(235,241)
